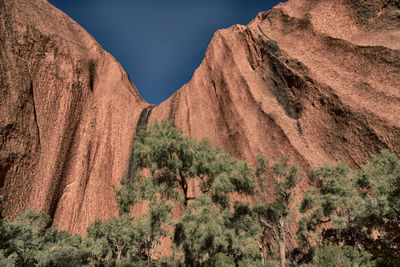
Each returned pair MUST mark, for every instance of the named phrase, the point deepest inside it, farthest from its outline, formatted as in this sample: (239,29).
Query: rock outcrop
(316,80)
(68,116)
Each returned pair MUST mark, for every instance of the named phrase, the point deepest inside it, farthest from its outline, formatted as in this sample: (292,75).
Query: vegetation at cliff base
(200,179)
(360,209)
(27,241)
(277,214)
(210,209)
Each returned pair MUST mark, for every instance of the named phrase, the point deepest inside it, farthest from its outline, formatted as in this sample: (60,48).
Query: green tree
(116,238)
(358,208)
(273,206)
(64,252)
(343,256)
(128,237)
(28,241)
(175,161)
(210,235)
(23,238)
(167,163)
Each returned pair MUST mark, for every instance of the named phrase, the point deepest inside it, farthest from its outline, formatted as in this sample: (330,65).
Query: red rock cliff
(68,113)
(316,80)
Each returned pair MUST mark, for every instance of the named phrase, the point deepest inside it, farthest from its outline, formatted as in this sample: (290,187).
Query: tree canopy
(349,217)
(167,163)
(273,206)
(359,208)
(173,160)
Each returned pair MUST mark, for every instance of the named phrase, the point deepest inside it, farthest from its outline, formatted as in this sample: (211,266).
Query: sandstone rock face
(316,80)
(68,113)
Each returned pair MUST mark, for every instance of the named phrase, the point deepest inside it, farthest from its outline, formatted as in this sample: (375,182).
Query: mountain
(68,115)
(316,80)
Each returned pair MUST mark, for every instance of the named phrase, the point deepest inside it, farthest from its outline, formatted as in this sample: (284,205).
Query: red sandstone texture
(316,80)
(68,113)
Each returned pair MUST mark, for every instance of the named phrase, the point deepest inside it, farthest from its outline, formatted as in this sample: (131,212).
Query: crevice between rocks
(34,112)
(141,124)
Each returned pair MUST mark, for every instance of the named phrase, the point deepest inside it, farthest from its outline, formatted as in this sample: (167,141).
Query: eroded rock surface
(68,113)
(316,80)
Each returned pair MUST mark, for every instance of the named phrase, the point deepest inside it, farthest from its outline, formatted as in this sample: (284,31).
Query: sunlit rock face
(317,81)
(68,113)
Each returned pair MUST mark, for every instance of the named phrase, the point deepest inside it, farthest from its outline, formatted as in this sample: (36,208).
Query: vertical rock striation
(64,131)
(316,80)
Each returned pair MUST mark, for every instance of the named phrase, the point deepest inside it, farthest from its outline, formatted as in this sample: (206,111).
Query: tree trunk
(260,246)
(282,243)
(119,252)
(148,248)
(184,186)
(282,252)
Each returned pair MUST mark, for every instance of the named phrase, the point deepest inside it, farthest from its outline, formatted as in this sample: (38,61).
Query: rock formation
(68,115)
(316,80)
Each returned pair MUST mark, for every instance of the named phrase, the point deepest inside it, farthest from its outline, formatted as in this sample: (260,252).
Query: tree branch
(270,226)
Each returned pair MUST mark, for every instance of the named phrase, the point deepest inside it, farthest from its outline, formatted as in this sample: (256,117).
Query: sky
(159,43)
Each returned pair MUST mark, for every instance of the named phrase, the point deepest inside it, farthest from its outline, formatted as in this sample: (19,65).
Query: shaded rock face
(68,113)
(316,80)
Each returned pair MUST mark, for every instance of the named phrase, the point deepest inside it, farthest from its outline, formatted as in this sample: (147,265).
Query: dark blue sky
(159,42)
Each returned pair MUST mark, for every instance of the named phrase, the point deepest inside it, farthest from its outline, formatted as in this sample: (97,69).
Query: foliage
(344,256)
(350,217)
(117,238)
(357,208)
(62,255)
(209,234)
(174,161)
(29,242)
(126,196)
(128,237)
(120,241)
(167,163)
(275,214)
